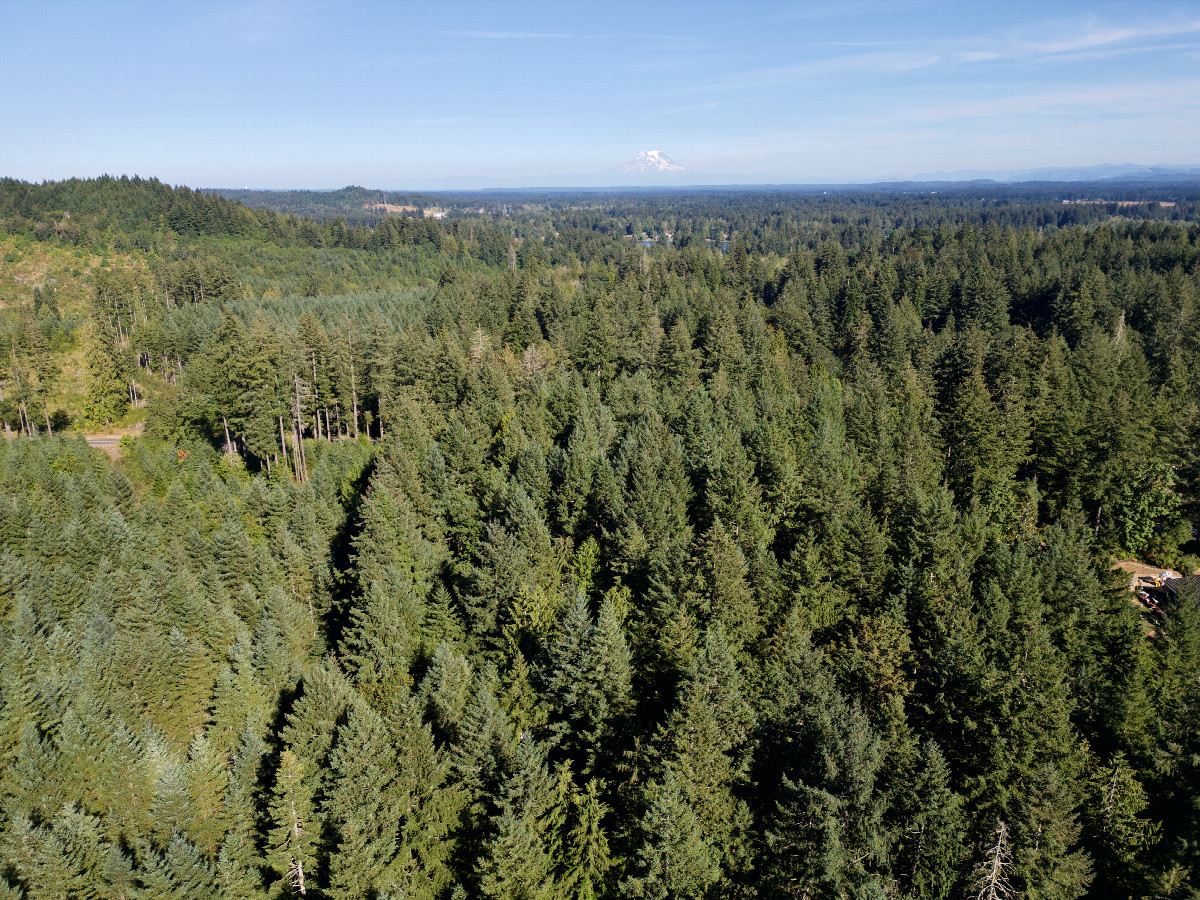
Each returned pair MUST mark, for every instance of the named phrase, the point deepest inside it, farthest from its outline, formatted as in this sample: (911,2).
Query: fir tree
(363,806)
(516,863)
(674,858)
(107,393)
(587,858)
(293,842)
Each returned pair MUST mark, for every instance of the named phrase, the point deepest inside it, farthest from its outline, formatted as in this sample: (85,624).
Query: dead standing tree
(992,877)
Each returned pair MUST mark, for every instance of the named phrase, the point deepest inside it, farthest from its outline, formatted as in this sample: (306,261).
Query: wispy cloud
(1071,38)
(876,63)
(520,35)
(1093,36)
(1072,41)
(570,36)
(812,12)
(680,110)
(1026,119)
(1113,100)
(263,22)
(869,43)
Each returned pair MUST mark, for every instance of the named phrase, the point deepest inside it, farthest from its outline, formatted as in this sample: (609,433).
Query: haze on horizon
(312,94)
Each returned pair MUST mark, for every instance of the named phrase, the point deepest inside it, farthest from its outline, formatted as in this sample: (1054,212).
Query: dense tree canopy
(771,560)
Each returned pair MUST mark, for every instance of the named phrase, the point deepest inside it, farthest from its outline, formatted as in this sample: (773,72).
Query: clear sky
(267,93)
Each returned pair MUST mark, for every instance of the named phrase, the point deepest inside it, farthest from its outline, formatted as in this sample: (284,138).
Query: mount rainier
(652,161)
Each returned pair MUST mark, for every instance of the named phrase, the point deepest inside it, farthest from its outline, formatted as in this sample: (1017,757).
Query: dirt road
(109,443)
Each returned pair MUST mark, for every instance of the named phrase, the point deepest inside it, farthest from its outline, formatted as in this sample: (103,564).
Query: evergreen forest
(696,544)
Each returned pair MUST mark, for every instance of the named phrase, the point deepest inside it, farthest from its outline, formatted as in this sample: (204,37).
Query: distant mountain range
(647,169)
(1104,172)
(654,170)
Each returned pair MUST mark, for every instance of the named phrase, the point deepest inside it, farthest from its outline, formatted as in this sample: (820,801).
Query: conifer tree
(933,820)
(587,859)
(107,394)
(1121,835)
(516,863)
(708,732)
(1178,739)
(294,839)
(189,873)
(239,864)
(722,593)
(589,681)
(677,357)
(207,781)
(446,691)
(971,426)
(674,859)
(430,807)
(363,806)
(66,859)
(824,833)
(480,759)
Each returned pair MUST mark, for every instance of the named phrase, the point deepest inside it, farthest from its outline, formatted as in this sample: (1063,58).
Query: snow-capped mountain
(652,161)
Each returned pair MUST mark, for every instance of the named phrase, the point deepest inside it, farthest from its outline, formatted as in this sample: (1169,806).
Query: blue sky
(268,93)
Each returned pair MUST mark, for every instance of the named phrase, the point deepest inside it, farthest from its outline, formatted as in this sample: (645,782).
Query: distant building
(1168,592)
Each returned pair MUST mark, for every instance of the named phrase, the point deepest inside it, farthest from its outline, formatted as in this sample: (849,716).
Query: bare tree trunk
(316,400)
(353,387)
(300,456)
(20,403)
(296,399)
(296,874)
(46,411)
(283,441)
(298,452)
(229,449)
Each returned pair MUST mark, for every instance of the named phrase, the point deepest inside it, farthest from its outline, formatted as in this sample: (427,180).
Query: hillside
(354,204)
